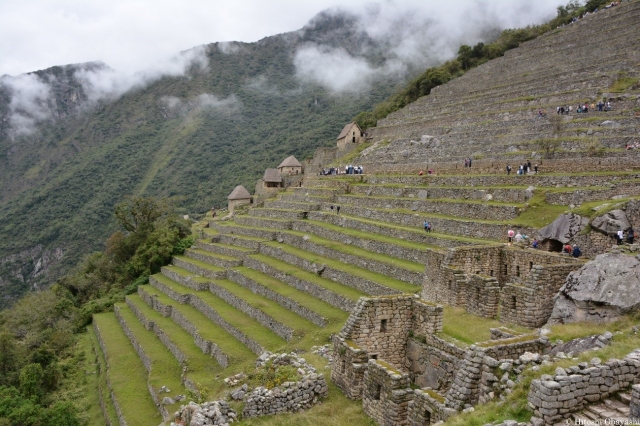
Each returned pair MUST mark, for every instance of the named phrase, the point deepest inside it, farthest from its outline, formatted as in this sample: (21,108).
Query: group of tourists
(337,208)
(467,162)
(584,108)
(329,171)
(427,226)
(349,170)
(430,171)
(630,236)
(524,168)
(353,170)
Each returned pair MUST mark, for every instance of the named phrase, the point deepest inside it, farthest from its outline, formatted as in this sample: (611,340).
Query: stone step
(315,191)
(389,229)
(264,222)
(340,296)
(233,229)
(390,246)
(214,259)
(267,312)
(303,304)
(198,267)
(365,281)
(291,205)
(304,199)
(462,209)
(400,269)
(237,240)
(517,195)
(208,336)
(186,277)
(126,373)
(162,367)
(230,251)
(241,326)
(277,213)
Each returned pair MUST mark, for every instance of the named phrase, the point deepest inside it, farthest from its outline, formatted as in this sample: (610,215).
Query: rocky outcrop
(564,228)
(601,291)
(611,222)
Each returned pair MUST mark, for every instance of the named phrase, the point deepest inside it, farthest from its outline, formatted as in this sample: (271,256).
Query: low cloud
(30,97)
(412,35)
(202,102)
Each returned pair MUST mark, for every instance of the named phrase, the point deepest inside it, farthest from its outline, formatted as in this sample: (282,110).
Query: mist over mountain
(75,139)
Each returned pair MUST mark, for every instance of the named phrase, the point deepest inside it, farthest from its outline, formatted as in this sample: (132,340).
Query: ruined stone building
(239,196)
(350,134)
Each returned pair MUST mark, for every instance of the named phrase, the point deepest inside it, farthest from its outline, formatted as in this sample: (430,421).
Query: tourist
(337,209)
(535,244)
(567,249)
(518,237)
(332,208)
(470,159)
(466,163)
(630,235)
(528,166)
(576,251)
(510,235)
(619,236)
(426,226)
(429,227)
(535,169)
(508,169)
(420,173)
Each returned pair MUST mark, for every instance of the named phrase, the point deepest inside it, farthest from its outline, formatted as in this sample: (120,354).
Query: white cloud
(29,101)
(202,102)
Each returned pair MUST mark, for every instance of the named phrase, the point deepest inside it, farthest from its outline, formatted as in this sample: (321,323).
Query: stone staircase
(610,411)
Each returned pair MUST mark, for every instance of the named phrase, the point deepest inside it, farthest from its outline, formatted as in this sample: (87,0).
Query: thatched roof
(272,175)
(290,161)
(239,193)
(345,130)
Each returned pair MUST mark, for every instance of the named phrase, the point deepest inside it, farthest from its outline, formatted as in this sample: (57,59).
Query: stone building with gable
(272,179)
(239,196)
(351,134)
(290,166)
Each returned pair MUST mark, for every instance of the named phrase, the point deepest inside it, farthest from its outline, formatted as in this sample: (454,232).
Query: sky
(130,35)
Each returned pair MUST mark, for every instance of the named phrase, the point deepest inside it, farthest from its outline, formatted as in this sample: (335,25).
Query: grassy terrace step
(292,205)
(381,244)
(338,295)
(408,234)
(403,270)
(235,351)
(201,367)
(227,251)
(198,267)
(262,222)
(206,302)
(280,213)
(371,283)
(164,369)
(320,312)
(507,194)
(267,312)
(241,241)
(219,260)
(317,191)
(470,208)
(210,233)
(102,410)
(126,374)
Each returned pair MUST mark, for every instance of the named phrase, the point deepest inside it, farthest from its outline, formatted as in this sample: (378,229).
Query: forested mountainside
(68,156)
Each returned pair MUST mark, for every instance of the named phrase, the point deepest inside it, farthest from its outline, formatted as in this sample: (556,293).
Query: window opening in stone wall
(427,417)
(491,273)
(373,356)
(344,365)
(477,272)
(506,269)
(477,293)
(383,325)
(450,285)
(376,392)
(530,265)
(517,271)
(512,303)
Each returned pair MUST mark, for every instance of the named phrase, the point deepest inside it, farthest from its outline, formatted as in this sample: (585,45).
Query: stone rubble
(217,413)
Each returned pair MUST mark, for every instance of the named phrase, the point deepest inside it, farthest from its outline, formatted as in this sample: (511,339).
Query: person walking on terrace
(508,169)
(576,251)
(619,236)
(337,209)
(510,235)
(630,235)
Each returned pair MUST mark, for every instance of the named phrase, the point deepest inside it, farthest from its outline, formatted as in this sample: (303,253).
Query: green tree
(31,379)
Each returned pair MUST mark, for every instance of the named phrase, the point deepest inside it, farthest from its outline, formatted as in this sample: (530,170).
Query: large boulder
(564,228)
(611,222)
(602,290)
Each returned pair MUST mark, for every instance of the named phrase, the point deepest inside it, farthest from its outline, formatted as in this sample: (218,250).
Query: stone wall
(386,394)
(195,269)
(206,346)
(432,365)
(307,244)
(634,406)
(427,408)
(277,327)
(334,299)
(476,210)
(509,195)
(362,284)
(114,400)
(210,313)
(554,398)
(232,205)
(281,300)
(482,296)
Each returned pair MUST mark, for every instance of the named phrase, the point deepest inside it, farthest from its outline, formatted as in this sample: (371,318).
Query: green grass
(345,291)
(435,200)
(332,314)
(127,374)
(299,324)
(357,251)
(240,321)
(236,352)
(211,254)
(375,237)
(200,263)
(468,328)
(165,369)
(95,371)
(202,368)
(623,84)
(341,266)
